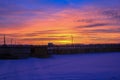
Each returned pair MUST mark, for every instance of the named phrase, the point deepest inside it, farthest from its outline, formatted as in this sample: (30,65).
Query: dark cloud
(18,12)
(36,33)
(33,34)
(12,35)
(85,20)
(59,36)
(113,14)
(94,25)
(116,30)
(106,39)
(41,39)
(108,31)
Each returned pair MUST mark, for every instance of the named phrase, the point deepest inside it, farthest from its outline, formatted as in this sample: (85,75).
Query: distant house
(50,44)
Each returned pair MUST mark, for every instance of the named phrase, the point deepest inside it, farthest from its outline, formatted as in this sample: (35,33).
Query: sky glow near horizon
(43,21)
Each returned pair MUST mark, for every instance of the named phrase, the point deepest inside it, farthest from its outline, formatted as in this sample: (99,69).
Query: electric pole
(4,40)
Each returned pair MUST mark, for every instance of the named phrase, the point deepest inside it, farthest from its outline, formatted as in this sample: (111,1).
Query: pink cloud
(88,25)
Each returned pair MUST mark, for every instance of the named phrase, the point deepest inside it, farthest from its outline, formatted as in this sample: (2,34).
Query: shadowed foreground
(63,67)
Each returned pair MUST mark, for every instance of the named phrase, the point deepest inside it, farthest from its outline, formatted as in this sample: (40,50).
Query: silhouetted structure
(72,39)
(39,51)
(92,48)
(44,51)
(4,40)
(15,51)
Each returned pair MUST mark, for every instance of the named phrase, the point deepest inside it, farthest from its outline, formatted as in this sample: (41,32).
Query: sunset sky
(42,21)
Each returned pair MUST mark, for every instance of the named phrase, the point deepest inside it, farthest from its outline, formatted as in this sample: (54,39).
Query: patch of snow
(105,66)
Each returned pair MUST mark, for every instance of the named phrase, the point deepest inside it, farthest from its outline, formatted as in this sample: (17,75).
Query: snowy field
(104,66)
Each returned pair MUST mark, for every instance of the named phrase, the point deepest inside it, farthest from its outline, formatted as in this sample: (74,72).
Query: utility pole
(71,39)
(4,40)
(15,42)
(11,41)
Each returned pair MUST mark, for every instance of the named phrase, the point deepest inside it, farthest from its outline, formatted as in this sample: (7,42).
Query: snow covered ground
(104,66)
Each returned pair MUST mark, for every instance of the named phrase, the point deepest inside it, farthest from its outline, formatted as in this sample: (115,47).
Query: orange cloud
(88,25)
